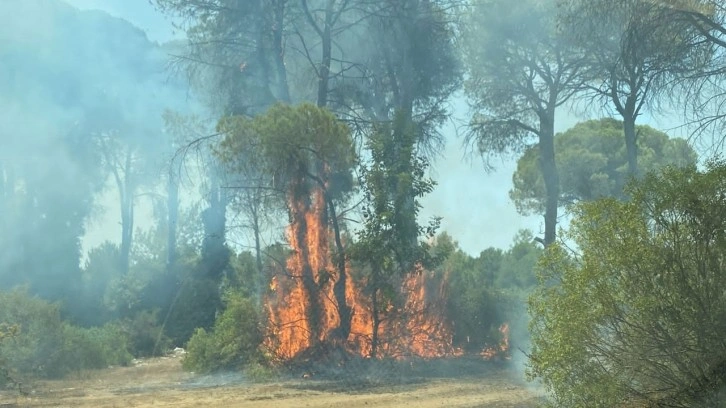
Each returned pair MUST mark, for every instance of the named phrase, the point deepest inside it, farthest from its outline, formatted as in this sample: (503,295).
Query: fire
(419,329)
(502,349)
(303,312)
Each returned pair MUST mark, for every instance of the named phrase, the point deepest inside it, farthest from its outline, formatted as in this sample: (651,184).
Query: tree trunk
(283,90)
(551,178)
(300,207)
(258,254)
(339,288)
(126,192)
(631,145)
(215,255)
(376,323)
(310,285)
(266,93)
(342,332)
(324,72)
(172,205)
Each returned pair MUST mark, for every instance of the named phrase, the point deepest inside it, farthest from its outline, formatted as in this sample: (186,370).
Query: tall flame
(417,328)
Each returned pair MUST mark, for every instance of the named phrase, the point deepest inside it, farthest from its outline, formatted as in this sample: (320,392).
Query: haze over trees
(521,70)
(592,160)
(269,172)
(634,52)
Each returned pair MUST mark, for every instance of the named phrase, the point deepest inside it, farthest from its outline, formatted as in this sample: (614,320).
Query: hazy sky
(475,205)
(139,12)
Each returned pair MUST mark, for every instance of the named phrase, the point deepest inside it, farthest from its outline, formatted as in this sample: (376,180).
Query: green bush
(191,309)
(45,346)
(6,332)
(36,348)
(233,343)
(146,335)
(636,316)
(475,312)
(260,372)
(92,348)
(201,354)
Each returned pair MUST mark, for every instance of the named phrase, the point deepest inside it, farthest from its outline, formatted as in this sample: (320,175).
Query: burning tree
(388,243)
(392,305)
(309,156)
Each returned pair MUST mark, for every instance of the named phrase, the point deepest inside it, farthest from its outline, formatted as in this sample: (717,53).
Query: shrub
(6,332)
(233,342)
(260,372)
(638,314)
(191,309)
(36,348)
(146,335)
(201,355)
(92,348)
(45,346)
(475,312)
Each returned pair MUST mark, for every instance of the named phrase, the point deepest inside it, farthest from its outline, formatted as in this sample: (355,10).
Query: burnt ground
(161,382)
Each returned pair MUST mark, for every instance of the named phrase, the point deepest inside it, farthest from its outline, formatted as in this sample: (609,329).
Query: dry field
(160,382)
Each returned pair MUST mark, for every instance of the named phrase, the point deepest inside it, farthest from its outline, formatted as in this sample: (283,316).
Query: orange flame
(417,328)
(502,349)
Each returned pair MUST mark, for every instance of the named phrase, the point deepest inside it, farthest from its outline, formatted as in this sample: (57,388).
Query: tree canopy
(634,50)
(592,160)
(520,70)
(294,143)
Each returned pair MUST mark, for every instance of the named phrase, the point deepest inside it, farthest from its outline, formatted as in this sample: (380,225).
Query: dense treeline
(328,113)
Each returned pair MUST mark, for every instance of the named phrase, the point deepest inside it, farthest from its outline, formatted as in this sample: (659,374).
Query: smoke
(69,77)
(520,349)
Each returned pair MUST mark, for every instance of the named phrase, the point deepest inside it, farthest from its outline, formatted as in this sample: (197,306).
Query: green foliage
(592,162)
(260,372)
(639,312)
(489,290)
(145,334)
(393,183)
(123,294)
(127,294)
(6,332)
(633,49)
(516,270)
(413,63)
(151,294)
(291,143)
(93,348)
(44,346)
(232,343)
(476,316)
(191,308)
(520,68)
(220,34)
(100,270)
(244,277)
(388,245)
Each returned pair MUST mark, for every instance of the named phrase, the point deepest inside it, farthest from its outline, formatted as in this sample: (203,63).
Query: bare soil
(161,382)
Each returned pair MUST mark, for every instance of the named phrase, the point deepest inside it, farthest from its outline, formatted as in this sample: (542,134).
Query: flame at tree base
(415,329)
(502,349)
(304,318)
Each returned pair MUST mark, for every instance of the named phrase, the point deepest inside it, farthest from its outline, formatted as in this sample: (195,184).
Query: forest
(266,174)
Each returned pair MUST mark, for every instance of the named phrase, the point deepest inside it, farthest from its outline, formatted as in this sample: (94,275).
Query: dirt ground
(161,382)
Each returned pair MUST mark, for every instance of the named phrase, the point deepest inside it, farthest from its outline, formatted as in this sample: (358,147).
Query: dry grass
(160,382)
